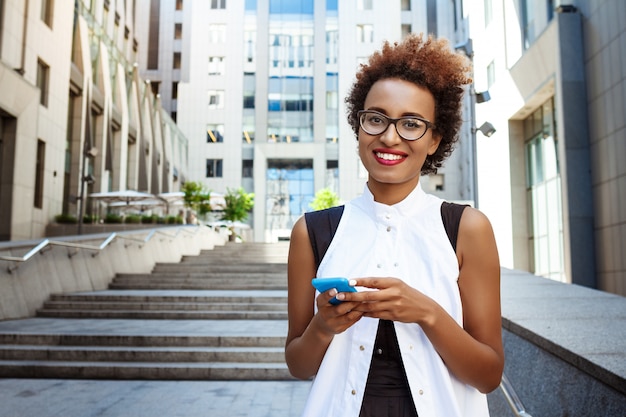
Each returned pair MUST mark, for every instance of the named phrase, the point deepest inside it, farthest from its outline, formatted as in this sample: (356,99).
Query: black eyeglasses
(408,127)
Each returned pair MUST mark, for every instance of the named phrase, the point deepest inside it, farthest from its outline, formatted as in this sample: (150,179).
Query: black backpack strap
(322,225)
(451,217)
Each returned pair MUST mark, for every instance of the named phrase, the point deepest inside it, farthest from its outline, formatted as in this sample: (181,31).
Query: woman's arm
(473,353)
(310,334)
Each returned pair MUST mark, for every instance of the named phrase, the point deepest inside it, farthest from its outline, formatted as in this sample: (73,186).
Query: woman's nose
(390,136)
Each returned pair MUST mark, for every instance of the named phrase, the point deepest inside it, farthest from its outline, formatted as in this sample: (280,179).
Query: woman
(422,336)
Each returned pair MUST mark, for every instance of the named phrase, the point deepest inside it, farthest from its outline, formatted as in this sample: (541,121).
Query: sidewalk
(97,398)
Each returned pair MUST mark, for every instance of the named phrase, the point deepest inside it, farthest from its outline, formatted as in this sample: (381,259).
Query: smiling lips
(387,157)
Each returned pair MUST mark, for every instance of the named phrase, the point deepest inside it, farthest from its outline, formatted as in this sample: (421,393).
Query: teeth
(388,156)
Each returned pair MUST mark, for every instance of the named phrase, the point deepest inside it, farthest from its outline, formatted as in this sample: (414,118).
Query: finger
(376,283)
(324,298)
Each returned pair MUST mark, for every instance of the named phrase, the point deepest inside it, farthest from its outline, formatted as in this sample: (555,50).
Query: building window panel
(177,60)
(47,6)
(365,33)
(179,4)
(364,4)
(214,168)
(215,133)
(216,99)
(216,65)
(178,31)
(39,171)
(217,33)
(218,4)
(43,81)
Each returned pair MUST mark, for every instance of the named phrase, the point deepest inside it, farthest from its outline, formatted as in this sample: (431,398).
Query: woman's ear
(434,143)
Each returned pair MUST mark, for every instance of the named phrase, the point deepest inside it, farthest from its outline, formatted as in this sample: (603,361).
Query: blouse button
(395,264)
(379,266)
(389,228)
(362,347)
(379,351)
(387,216)
(421,392)
(353,392)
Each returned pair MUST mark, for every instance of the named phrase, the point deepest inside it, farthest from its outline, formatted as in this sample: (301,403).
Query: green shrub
(149,219)
(113,218)
(132,219)
(65,219)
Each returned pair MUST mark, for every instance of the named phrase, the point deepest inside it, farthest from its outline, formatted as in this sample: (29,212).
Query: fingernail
(352,282)
(340,296)
(333,292)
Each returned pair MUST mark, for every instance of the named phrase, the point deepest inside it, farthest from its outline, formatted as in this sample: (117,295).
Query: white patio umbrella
(124,196)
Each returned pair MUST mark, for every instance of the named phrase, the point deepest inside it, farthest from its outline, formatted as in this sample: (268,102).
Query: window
(364,4)
(215,133)
(406,30)
(247,168)
(39,169)
(216,65)
(43,81)
(178,31)
(174,90)
(491,74)
(179,4)
(217,33)
(365,33)
(177,59)
(488,12)
(406,5)
(218,4)
(46,11)
(216,99)
(214,168)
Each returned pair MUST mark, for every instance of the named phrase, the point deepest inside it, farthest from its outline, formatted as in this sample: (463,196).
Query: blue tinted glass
(291,7)
(307,174)
(294,204)
(293,174)
(272,174)
(331,5)
(251,5)
(306,187)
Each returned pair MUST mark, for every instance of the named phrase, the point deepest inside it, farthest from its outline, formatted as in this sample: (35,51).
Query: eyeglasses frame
(391,121)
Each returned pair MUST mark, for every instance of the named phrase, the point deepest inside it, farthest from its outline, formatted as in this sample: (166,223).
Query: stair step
(181,305)
(141,354)
(147,285)
(145,370)
(168,315)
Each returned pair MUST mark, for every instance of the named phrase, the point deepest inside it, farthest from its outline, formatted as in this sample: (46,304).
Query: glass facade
(290,84)
(543,182)
(290,191)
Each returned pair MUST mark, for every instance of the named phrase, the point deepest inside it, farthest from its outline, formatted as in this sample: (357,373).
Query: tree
(197,197)
(324,198)
(238,204)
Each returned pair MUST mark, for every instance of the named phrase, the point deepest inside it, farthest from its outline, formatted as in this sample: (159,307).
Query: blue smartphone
(340,284)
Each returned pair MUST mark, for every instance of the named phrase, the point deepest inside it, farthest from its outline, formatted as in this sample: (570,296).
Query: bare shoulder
(476,237)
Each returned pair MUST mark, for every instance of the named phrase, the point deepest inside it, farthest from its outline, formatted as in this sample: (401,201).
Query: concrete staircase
(219,315)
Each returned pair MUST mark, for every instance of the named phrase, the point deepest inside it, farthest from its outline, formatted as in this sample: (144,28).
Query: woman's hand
(335,319)
(392,299)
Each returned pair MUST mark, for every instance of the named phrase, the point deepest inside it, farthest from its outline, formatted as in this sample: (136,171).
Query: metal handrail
(47,243)
(512,399)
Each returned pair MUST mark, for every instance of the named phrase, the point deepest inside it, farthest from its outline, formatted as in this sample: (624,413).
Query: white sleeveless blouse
(406,241)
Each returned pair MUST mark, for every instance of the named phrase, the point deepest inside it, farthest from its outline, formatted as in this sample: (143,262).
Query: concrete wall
(60,269)
(565,348)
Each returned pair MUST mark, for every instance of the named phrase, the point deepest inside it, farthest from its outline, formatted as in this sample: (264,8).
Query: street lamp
(487,128)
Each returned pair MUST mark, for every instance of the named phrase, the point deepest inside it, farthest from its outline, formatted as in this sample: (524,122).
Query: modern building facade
(258,87)
(75,117)
(553,174)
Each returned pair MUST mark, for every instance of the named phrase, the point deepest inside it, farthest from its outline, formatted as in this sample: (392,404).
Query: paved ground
(89,398)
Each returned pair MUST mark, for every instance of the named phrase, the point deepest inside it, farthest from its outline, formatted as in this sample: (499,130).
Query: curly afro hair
(430,63)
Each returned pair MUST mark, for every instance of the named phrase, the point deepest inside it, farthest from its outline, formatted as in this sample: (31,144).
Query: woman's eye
(412,123)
